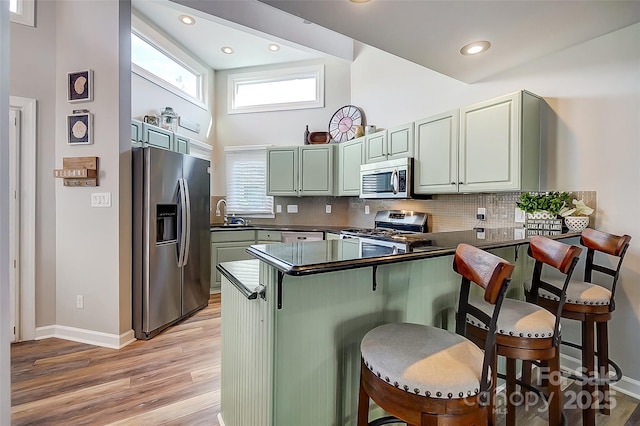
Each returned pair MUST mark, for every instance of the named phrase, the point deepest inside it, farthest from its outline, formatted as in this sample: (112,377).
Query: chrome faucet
(220,202)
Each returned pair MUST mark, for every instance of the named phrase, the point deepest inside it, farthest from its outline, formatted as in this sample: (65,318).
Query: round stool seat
(517,318)
(423,360)
(578,292)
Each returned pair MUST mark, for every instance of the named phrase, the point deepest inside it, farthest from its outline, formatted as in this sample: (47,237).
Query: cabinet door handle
(453,183)
(460,183)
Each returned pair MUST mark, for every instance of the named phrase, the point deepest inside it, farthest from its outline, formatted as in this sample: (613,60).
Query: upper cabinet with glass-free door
(350,157)
(397,142)
(435,167)
(492,146)
(300,170)
(500,144)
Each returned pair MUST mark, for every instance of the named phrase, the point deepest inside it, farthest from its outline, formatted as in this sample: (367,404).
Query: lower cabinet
(231,245)
(227,246)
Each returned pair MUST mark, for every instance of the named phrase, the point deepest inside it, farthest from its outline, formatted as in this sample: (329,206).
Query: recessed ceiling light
(475,48)
(274,47)
(228,50)
(186,19)
(359,1)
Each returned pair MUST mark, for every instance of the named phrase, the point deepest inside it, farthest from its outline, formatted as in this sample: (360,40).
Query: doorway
(22,136)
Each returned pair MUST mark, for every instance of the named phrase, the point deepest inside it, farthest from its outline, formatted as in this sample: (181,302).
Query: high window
(246,170)
(276,90)
(161,61)
(22,12)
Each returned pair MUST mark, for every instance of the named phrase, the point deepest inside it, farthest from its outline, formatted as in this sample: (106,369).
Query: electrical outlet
(278,208)
(80,301)
(327,208)
(482,213)
(292,208)
(366,209)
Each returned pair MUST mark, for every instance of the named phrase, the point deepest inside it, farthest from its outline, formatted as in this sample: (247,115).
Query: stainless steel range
(392,232)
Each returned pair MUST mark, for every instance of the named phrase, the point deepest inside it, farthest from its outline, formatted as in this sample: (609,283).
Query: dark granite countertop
(313,257)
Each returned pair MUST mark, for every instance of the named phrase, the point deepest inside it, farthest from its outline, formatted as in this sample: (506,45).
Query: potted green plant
(576,218)
(542,210)
(543,205)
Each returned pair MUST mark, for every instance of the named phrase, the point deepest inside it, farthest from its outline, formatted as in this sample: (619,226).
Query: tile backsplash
(446,212)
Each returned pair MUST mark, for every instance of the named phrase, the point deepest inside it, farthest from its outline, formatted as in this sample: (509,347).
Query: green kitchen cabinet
(282,171)
(227,246)
(500,144)
(435,166)
(375,147)
(136,133)
(491,146)
(397,142)
(268,237)
(156,136)
(181,144)
(350,157)
(300,171)
(400,141)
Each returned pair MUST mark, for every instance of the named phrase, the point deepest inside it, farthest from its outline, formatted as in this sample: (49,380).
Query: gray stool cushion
(578,292)
(423,360)
(517,318)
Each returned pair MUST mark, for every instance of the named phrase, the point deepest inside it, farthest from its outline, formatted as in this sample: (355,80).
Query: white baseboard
(626,385)
(90,337)
(220,420)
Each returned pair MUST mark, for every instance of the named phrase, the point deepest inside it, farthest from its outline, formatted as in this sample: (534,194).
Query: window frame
(178,54)
(25,14)
(282,74)
(269,198)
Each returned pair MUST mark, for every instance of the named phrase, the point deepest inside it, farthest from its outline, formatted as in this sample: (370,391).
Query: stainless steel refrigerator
(171,238)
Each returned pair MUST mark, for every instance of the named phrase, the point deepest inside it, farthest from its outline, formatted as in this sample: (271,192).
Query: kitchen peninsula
(294,317)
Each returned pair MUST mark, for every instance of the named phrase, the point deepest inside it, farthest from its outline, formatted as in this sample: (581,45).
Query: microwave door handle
(395,184)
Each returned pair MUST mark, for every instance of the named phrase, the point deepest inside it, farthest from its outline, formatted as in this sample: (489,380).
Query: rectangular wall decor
(80,86)
(80,128)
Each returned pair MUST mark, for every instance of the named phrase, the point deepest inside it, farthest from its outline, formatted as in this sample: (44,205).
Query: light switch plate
(366,209)
(519,216)
(292,208)
(100,199)
(278,208)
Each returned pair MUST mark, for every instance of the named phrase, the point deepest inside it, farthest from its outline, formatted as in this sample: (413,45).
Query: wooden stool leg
(511,391)
(603,365)
(555,391)
(543,379)
(363,403)
(588,344)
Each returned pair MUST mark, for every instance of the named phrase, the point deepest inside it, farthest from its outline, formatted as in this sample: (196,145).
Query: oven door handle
(395,181)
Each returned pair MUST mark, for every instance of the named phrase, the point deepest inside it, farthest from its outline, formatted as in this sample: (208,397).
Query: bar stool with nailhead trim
(529,332)
(428,376)
(591,304)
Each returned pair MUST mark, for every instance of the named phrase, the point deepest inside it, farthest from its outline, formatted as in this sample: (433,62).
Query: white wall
(88,239)
(32,62)
(275,128)
(591,129)
(5,320)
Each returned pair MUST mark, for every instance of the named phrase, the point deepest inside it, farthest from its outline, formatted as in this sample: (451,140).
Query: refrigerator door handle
(187,229)
(183,214)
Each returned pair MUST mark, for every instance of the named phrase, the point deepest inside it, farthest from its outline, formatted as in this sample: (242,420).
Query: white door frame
(14,220)
(27,208)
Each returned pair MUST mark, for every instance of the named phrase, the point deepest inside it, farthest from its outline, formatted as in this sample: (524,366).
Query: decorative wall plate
(344,122)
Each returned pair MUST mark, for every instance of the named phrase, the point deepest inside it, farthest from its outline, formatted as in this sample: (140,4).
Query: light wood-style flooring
(172,379)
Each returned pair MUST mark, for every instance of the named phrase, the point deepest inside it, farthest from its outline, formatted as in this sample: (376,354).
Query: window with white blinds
(247,182)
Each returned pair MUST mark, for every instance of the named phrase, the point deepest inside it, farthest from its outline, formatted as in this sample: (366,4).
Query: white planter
(576,223)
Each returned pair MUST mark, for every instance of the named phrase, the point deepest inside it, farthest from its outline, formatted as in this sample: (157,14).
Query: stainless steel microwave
(386,179)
